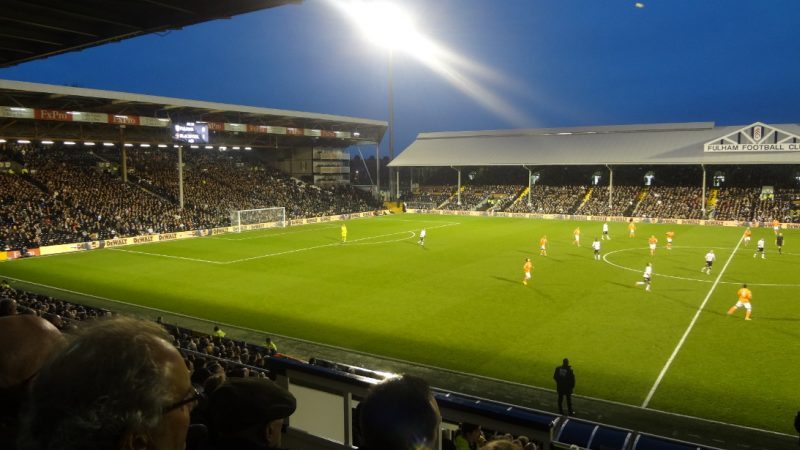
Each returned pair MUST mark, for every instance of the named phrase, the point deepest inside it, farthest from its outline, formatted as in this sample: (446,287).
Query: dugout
(700,145)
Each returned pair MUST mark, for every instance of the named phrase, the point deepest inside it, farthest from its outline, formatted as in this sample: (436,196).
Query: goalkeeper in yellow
(344,233)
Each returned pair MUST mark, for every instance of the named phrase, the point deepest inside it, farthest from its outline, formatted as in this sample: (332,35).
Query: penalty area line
(689,328)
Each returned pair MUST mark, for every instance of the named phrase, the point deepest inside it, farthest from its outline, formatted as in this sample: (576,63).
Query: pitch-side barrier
(328,394)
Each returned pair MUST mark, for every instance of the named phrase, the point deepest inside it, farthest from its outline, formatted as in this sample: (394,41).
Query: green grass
(458,303)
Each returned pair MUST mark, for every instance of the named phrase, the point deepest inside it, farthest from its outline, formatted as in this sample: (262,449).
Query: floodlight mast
(391,122)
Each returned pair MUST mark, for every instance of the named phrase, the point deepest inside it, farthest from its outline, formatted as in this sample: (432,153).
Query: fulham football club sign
(757,137)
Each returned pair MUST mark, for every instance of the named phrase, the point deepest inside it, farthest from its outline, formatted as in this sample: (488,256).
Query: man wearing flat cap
(248,414)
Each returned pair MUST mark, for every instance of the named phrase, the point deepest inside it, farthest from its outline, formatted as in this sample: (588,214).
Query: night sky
(549,63)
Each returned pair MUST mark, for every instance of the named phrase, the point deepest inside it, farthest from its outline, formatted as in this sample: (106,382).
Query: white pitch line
(269,235)
(118,249)
(334,244)
(689,329)
(699,280)
(296,250)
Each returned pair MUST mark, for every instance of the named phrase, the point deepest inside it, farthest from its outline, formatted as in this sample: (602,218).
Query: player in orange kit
(745,296)
(746,236)
(543,246)
(631,229)
(652,243)
(670,235)
(527,268)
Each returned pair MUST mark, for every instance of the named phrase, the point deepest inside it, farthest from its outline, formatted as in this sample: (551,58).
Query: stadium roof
(656,144)
(35,29)
(50,97)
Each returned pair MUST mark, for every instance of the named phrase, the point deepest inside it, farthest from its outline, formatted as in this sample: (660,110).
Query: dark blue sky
(565,63)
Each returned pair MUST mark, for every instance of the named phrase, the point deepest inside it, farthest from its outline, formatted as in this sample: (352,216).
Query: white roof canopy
(655,144)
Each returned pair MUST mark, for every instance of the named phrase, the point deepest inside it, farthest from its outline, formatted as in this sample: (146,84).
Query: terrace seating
(671,202)
(550,199)
(73,195)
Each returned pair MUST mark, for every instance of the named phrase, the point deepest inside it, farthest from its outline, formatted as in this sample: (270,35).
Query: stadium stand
(63,195)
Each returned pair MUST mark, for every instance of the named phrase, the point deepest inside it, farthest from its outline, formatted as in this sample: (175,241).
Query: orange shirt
(747,233)
(744,295)
(652,240)
(577,232)
(775,223)
(631,226)
(542,242)
(670,234)
(527,267)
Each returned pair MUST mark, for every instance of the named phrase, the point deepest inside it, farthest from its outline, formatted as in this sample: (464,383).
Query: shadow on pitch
(507,280)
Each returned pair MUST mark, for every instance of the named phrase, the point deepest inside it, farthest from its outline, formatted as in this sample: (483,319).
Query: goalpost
(257,219)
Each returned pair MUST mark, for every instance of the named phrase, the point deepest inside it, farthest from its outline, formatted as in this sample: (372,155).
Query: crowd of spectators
(70,195)
(481,197)
(732,203)
(434,195)
(735,203)
(671,202)
(551,199)
(783,204)
(623,201)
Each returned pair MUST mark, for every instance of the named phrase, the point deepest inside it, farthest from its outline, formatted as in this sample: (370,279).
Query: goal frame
(238,225)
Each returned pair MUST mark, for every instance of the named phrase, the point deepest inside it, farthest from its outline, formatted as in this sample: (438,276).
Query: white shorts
(577,238)
(669,240)
(527,275)
(776,228)
(746,305)
(542,248)
(747,238)
(652,246)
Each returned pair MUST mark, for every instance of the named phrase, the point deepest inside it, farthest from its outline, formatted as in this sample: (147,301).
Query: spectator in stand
(27,342)
(270,346)
(469,437)
(399,414)
(248,413)
(119,384)
(8,307)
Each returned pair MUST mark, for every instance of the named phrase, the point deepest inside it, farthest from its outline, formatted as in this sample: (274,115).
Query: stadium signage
(757,137)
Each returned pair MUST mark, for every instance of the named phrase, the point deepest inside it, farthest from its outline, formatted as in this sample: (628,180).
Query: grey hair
(107,382)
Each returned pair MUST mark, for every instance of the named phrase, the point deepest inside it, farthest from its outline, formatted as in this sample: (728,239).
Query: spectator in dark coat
(565,383)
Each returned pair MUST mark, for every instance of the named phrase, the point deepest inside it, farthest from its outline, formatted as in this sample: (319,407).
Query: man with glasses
(119,384)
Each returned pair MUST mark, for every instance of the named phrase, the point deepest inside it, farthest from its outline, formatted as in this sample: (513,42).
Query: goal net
(257,219)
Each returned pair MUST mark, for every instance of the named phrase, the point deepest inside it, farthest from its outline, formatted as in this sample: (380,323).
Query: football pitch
(459,303)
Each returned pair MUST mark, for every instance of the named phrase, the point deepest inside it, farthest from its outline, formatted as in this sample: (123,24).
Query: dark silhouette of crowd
(60,194)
